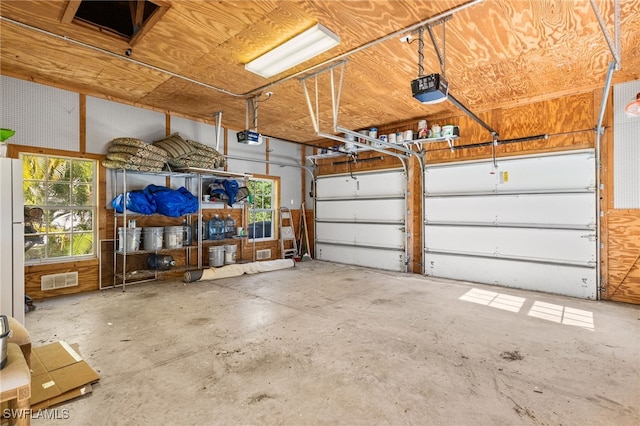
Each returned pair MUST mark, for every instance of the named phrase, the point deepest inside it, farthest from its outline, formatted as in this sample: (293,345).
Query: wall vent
(263,254)
(54,281)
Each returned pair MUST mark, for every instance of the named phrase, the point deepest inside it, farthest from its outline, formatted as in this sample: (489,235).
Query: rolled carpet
(237,269)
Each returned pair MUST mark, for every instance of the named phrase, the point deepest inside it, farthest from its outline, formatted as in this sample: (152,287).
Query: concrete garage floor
(334,344)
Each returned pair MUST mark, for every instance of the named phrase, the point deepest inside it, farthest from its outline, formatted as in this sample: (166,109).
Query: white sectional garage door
(360,219)
(531,224)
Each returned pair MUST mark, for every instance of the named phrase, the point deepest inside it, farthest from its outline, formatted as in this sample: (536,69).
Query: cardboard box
(58,374)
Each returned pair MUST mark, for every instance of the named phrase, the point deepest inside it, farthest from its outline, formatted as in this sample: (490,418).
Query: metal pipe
(277,163)
(273,83)
(407,152)
(361,145)
(218,116)
(126,58)
(370,44)
(603,26)
(472,115)
(362,160)
(599,132)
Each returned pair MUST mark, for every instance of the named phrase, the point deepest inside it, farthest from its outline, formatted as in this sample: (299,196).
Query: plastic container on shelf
(216,256)
(205,231)
(230,253)
(186,233)
(129,239)
(160,262)
(229,227)
(216,228)
(152,237)
(173,237)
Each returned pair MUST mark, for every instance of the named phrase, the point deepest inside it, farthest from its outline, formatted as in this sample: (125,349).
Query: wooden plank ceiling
(498,53)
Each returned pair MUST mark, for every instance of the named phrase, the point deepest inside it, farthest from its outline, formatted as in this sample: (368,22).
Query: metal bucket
(216,256)
(5,332)
(152,237)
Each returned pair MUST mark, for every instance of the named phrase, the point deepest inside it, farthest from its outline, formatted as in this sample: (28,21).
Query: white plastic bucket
(216,256)
(129,239)
(173,237)
(152,237)
(230,251)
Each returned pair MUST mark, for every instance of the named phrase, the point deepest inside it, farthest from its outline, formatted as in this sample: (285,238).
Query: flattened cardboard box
(58,373)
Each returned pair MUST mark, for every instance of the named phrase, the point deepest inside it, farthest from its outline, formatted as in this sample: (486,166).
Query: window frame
(92,206)
(274,206)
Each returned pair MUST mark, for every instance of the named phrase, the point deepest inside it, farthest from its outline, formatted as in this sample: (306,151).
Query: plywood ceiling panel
(498,53)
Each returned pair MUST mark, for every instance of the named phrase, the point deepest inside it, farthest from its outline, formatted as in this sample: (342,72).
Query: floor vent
(263,254)
(51,282)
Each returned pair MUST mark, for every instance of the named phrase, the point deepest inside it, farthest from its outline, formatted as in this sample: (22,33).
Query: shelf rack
(193,182)
(418,142)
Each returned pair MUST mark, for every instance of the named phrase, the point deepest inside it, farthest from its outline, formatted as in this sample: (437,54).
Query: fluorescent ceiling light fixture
(304,46)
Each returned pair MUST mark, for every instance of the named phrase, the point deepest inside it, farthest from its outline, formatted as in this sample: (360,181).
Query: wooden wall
(620,231)
(89,270)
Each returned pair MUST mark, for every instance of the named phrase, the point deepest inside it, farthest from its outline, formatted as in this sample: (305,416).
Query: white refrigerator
(12,301)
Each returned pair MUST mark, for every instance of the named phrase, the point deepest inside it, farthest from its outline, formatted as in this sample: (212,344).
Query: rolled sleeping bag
(191,276)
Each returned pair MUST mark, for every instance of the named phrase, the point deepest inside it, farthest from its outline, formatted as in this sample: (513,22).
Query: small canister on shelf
(422,129)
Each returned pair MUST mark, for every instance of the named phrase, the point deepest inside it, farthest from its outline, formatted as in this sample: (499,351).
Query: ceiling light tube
(304,46)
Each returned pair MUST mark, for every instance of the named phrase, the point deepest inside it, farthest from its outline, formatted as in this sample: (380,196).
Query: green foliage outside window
(261,210)
(64,189)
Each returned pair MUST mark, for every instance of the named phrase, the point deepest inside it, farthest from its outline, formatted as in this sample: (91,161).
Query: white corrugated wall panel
(626,151)
(195,130)
(256,152)
(290,177)
(42,116)
(107,120)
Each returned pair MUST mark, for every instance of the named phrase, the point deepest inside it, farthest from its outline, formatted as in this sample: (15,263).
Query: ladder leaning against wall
(288,245)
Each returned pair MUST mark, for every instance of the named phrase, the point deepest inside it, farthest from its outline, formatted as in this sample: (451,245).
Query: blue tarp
(158,199)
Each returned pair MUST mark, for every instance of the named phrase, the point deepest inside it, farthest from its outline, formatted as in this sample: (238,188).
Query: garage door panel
(555,172)
(361,210)
(381,184)
(360,219)
(361,234)
(559,245)
(568,280)
(543,173)
(372,258)
(474,177)
(530,223)
(576,209)
(335,186)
